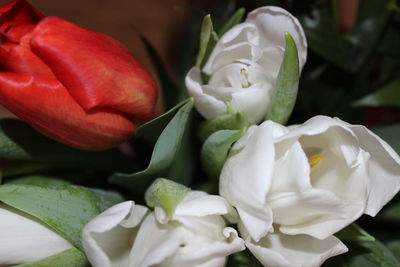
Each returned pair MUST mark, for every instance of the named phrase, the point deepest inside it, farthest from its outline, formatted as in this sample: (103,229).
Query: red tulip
(77,86)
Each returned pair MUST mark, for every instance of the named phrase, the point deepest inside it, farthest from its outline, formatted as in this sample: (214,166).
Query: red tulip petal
(96,69)
(46,105)
(17,12)
(19,58)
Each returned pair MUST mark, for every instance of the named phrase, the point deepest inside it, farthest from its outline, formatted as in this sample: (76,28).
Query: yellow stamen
(315,160)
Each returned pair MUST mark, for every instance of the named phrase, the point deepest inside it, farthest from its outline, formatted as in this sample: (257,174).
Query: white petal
(384,169)
(199,204)
(280,250)
(243,33)
(24,239)
(107,239)
(246,177)
(303,205)
(272,22)
(208,106)
(253,101)
(154,243)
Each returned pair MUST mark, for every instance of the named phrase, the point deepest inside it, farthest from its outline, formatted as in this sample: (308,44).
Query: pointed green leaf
(66,209)
(229,121)
(354,232)
(164,153)
(235,19)
(68,258)
(389,95)
(19,141)
(208,39)
(166,194)
(285,92)
(216,148)
(151,131)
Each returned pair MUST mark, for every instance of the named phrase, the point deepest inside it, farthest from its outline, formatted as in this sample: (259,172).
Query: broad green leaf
(363,251)
(164,153)
(66,209)
(216,148)
(389,133)
(354,232)
(208,39)
(171,93)
(285,92)
(68,258)
(232,120)
(394,246)
(235,19)
(106,199)
(39,180)
(19,141)
(166,194)
(389,95)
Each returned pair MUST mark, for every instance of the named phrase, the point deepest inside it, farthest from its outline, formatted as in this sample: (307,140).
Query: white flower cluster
(288,189)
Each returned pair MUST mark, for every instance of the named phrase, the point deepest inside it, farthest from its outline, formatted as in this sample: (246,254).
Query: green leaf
(354,232)
(19,141)
(39,180)
(324,39)
(389,133)
(216,148)
(164,153)
(208,39)
(285,92)
(66,209)
(243,259)
(389,95)
(106,199)
(166,194)
(151,131)
(232,120)
(68,258)
(394,246)
(363,251)
(171,93)
(235,19)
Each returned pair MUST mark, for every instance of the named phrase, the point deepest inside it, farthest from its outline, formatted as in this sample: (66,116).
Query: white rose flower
(244,64)
(129,235)
(25,239)
(313,179)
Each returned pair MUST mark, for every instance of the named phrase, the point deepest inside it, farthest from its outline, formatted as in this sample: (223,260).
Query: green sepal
(166,194)
(232,120)
(235,19)
(285,92)
(216,148)
(208,39)
(72,257)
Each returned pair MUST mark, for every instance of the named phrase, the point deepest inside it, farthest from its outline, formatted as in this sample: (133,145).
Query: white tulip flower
(25,239)
(129,235)
(244,64)
(312,179)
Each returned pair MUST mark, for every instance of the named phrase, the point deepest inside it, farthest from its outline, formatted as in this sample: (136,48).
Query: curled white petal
(24,239)
(282,250)
(107,239)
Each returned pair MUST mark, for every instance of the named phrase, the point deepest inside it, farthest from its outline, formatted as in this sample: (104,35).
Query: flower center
(245,78)
(315,160)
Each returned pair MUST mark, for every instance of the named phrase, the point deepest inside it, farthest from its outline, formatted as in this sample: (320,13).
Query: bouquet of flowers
(247,164)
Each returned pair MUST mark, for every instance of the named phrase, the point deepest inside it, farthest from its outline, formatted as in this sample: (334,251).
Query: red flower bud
(77,86)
